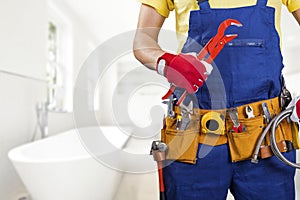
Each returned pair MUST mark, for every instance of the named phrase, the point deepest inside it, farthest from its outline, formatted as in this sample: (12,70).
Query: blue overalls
(247,70)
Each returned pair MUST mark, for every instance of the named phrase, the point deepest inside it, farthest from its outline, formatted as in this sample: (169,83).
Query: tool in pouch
(184,118)
(210,51)
(267,115)
(249,112)
(185,115)
(237,126)
(170,104)
(285,96)
(213,122)
(277,148)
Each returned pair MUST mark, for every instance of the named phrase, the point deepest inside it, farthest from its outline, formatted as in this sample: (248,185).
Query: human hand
(184,70)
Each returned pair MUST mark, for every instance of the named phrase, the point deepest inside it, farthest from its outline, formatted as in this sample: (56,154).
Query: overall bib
(247,70)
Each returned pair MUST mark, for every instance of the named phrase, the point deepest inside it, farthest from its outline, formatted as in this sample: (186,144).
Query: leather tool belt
(183,145)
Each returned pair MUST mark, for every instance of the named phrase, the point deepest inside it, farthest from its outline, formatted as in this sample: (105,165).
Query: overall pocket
(182,145)
(242,144)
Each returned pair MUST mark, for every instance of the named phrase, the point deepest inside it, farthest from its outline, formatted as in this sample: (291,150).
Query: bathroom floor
(140,186)
(143,186)
(134,187)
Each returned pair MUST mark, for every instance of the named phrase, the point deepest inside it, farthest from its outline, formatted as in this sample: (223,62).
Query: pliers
(210,51)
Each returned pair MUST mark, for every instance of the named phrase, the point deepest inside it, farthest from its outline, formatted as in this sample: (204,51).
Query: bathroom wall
(23,39)
(17,119)
(83,43)
(290,48)
(23,42)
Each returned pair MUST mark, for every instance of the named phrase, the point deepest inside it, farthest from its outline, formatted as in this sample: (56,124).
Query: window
(52,65)
(60,61)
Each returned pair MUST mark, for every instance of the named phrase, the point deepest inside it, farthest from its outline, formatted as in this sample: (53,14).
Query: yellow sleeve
(163,7)
(292,5)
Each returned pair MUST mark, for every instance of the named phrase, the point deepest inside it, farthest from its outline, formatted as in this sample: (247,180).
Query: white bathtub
(60,168)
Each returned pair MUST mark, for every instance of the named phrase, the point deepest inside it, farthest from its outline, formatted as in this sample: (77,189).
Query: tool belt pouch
(242,144)
(159,156)
(286,133)
(182,145)
(289,131)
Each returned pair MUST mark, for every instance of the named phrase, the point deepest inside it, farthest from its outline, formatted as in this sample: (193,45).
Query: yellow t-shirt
(182,10)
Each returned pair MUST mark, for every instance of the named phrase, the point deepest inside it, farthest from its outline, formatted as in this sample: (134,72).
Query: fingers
(188,72)
(195,88)
(199,83)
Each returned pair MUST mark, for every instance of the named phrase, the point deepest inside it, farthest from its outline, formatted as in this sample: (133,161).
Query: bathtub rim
(15,154)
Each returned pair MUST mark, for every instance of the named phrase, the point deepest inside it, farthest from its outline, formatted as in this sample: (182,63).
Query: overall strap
(261,3)
(204,5)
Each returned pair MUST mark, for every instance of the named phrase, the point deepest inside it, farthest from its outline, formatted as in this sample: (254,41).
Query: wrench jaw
(216,44)
(238,24)
(219,46)
(228,22)
(227,38)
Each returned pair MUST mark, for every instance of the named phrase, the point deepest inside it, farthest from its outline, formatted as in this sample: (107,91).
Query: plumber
(210,141)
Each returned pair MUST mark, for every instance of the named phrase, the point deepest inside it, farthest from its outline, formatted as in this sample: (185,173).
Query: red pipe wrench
(210,51)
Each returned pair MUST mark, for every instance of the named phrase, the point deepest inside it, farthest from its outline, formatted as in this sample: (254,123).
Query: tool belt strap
(215,140)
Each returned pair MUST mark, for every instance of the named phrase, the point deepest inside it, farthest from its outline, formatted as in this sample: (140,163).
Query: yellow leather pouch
(242,144)
(290,132)
(182,144)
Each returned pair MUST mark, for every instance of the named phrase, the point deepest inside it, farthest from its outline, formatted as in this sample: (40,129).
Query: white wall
(17,119)
(23,41)
(291,48)
(23,36)
(83,43)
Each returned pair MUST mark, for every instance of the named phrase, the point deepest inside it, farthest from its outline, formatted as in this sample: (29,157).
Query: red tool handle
(171,90)
(238,129)
(162,195)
